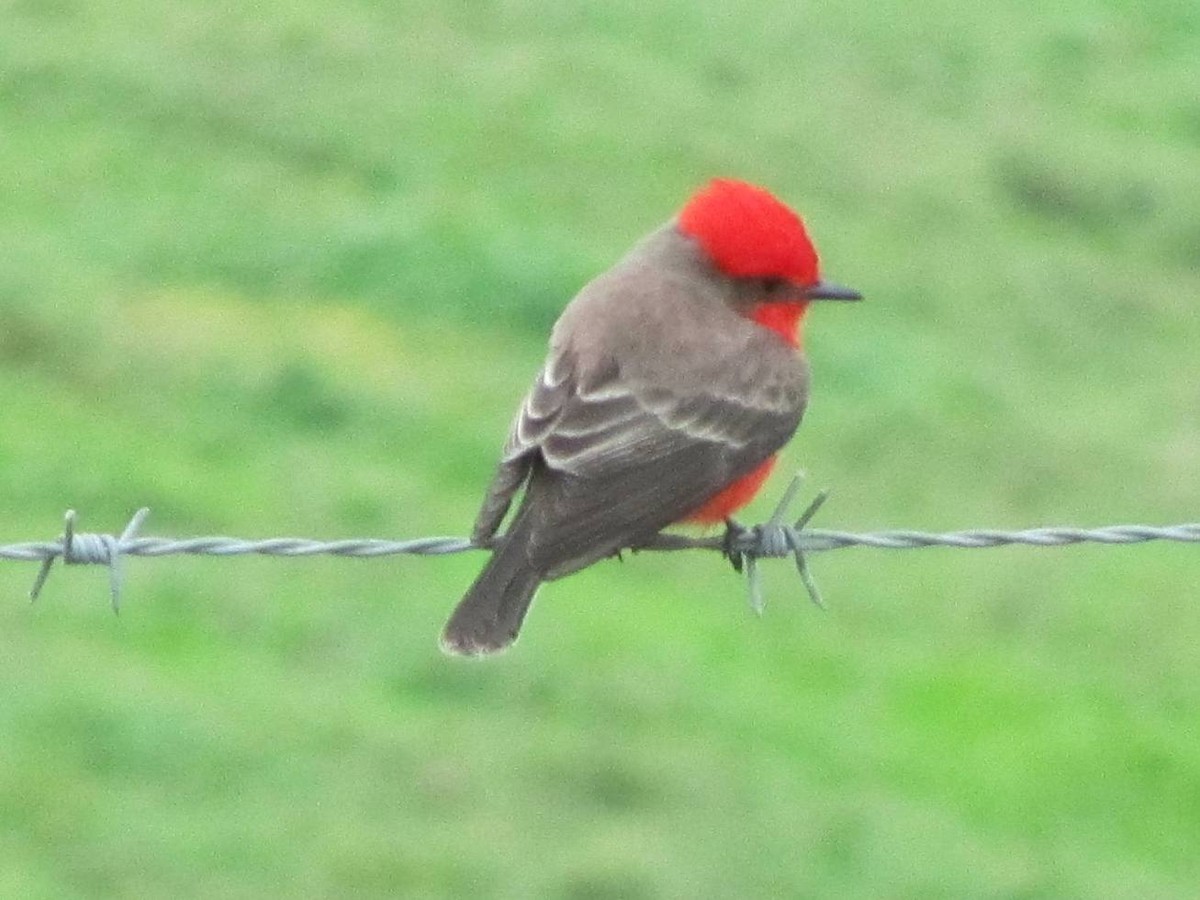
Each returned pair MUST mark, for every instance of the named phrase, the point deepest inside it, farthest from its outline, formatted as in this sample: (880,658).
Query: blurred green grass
(288,268)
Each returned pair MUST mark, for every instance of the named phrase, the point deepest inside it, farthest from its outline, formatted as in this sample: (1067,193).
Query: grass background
(287,268)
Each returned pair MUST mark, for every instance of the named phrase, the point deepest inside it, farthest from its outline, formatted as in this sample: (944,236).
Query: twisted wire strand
(744,547)
(97,549)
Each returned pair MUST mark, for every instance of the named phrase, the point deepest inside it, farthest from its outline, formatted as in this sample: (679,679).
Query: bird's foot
(734,532)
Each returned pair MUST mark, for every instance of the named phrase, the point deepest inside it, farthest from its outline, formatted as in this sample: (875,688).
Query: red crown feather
(748,233)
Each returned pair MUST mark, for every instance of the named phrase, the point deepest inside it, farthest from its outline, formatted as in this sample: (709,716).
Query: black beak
(825,290)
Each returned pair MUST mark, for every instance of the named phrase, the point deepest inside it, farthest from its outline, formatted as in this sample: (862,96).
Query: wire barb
(773,539)
(91,549)
(794,537)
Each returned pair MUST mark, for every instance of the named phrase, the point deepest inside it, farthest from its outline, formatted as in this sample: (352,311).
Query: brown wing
(541,408)
(612,460)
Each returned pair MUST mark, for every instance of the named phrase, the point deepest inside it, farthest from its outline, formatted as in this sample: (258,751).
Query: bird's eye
(774,285)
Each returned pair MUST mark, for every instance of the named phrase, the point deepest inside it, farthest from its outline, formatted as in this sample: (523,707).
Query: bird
(671,382)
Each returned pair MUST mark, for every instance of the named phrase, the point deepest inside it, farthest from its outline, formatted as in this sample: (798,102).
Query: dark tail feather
(488,618)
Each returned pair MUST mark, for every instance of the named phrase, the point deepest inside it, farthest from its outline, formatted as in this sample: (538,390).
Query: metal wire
(743,546)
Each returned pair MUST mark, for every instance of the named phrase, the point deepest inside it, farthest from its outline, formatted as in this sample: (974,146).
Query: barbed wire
(744,547)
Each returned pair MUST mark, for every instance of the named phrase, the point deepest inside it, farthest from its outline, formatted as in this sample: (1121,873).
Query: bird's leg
(619,554)
(733,534)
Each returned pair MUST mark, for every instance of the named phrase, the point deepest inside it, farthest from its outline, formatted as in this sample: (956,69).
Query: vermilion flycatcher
(672,380)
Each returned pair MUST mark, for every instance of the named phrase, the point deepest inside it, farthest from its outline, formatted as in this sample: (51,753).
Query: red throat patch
(784,319)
